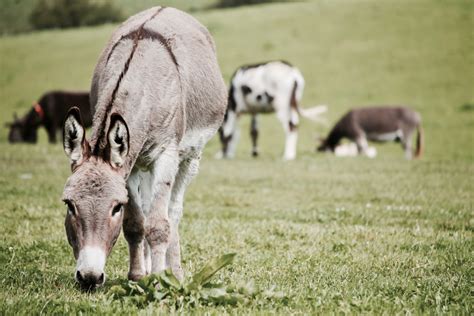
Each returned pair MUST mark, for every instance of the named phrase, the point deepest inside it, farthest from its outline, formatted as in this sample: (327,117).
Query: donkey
(274,86)
(158,97)
(49,112)
(379,124)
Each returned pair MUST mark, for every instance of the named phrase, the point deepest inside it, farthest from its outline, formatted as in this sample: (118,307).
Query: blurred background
(351,53)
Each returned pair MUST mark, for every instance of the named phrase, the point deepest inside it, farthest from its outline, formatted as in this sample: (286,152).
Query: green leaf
(166,289)
(167,277)
(117,291)
(211,268)
(213,292)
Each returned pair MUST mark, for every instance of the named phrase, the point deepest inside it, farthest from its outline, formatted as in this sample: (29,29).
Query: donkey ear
(118,138)
(74,137)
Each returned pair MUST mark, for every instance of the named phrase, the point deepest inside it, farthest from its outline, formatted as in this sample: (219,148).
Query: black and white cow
(275,86)
(379,124)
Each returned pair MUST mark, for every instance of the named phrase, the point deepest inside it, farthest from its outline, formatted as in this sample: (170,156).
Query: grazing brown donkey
(49,112)
(158,96)
(380,124)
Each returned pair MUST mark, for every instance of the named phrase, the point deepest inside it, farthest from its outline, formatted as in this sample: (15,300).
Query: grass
(335,235)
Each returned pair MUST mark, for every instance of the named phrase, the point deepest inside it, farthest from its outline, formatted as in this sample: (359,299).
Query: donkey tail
(314,113)
(419,142)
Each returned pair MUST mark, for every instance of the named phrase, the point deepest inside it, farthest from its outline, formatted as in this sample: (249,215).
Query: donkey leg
(187,170)
(52,133)
(232,143)
(134,229)
(157,227)
(362,145)
(289,120)
(407,144)
(254,135)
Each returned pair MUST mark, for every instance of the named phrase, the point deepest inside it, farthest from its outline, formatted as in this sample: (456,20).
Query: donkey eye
(70,208)
(117,209)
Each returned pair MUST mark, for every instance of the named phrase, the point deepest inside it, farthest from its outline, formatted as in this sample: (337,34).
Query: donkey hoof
(254,153)
(135,276)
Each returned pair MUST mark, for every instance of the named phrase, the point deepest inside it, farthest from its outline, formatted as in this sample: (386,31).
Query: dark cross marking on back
(137,35)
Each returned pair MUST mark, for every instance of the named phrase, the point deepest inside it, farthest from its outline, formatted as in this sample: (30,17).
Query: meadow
(336,235)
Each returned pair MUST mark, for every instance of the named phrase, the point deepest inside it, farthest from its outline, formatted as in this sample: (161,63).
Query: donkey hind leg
(188,168)
(232,144)
(157,227)
(406,141)
(254,134)
(134,229)
(289,120)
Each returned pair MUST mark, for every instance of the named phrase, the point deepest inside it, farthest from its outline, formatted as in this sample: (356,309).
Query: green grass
(335,235)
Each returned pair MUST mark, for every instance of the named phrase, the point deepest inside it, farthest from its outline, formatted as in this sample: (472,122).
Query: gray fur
(159,75)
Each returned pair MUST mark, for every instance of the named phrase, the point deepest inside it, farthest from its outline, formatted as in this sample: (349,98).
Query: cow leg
(188,168)
(134,229)
(254,135)
(157,227)
(289,119)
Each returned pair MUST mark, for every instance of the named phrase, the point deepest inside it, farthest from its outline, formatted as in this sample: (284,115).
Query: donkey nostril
(79,276)
(259,97)
(101,279)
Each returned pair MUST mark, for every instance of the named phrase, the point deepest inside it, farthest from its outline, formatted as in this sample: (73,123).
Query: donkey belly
(193,142)
(385,137)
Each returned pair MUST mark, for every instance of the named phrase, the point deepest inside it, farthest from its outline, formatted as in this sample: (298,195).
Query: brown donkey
(157,96)
(49,112)
(379,124)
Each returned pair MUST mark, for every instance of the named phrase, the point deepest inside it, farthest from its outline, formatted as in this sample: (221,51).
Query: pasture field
(339,235)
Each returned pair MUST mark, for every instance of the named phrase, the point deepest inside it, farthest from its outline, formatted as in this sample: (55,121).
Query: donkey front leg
(52,133)
(363,146)
(157,227)
(406,141)
(134,229)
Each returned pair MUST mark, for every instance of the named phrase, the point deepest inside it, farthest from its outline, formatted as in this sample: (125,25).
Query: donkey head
(94,195)
(21,131)
(325,146)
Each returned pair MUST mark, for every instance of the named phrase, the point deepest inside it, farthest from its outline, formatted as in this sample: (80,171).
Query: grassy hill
(14,14)
(343,235)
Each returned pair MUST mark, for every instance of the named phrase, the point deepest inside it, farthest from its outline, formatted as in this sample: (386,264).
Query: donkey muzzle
(90,267)
(89,280)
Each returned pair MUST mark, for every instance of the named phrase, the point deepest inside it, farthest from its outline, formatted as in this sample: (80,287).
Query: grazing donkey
(275,86)
(379,124)
(49,112)
(158,96)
